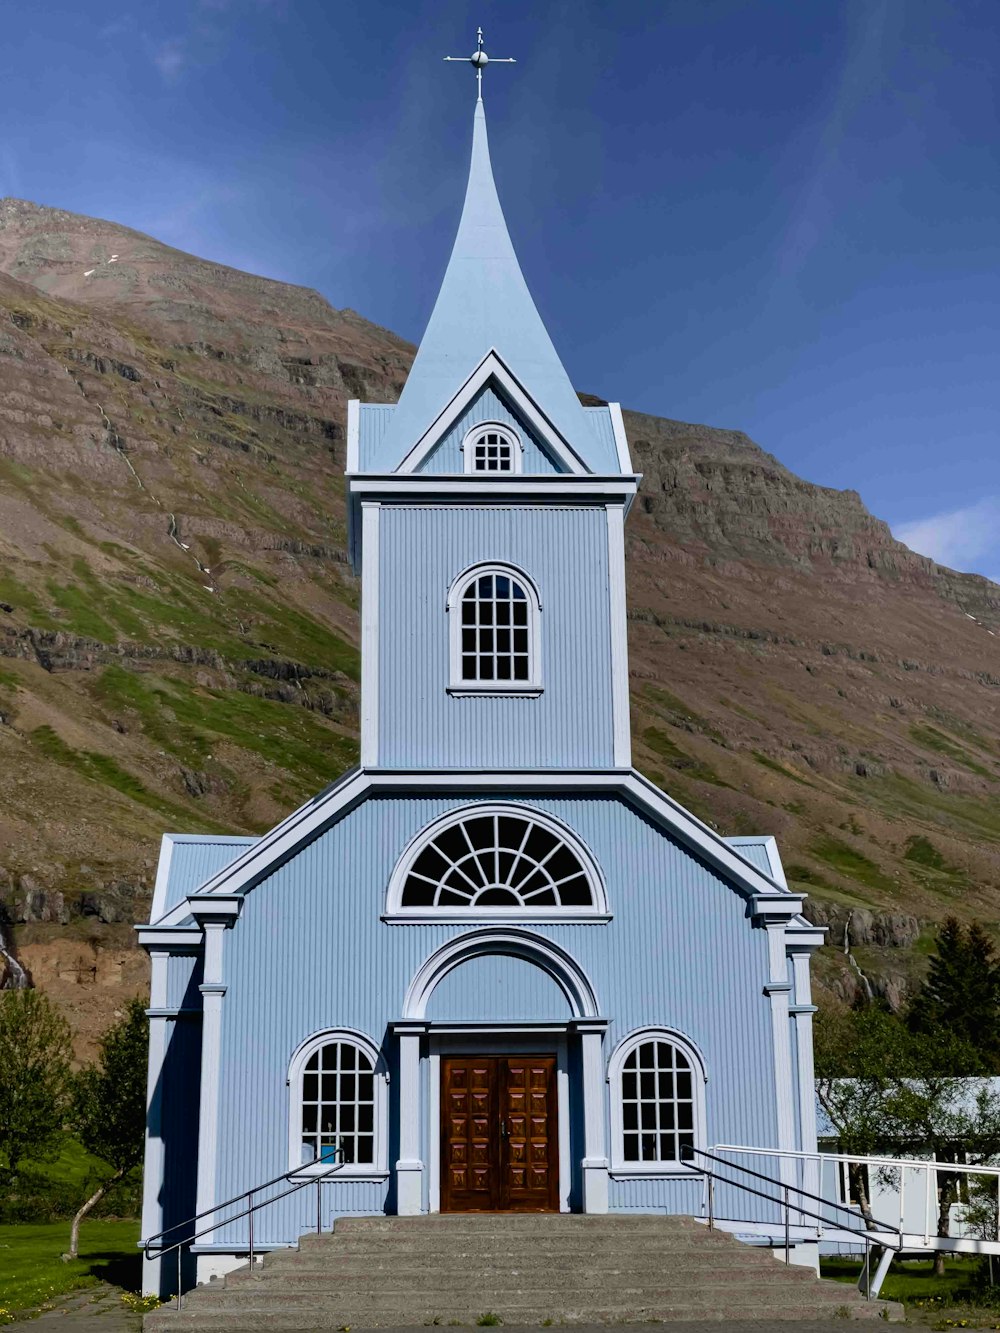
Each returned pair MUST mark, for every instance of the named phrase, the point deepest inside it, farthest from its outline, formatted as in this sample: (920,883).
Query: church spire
(484,305)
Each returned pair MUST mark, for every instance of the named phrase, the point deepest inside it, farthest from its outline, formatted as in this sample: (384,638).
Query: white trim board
(493,367)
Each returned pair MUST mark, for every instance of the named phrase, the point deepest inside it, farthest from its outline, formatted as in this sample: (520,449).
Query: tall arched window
(491,448)
(494,626)
(491,862)
(657,1103)
(337,1083)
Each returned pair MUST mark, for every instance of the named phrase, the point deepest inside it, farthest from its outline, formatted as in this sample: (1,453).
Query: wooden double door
(499,1134)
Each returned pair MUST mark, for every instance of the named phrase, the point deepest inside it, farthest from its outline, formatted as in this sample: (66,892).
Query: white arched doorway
(491,995)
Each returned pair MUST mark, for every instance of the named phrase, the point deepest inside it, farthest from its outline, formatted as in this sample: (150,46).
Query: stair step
(219,1321)
(522,1276)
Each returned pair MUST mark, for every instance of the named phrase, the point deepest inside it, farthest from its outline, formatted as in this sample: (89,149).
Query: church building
(492,968)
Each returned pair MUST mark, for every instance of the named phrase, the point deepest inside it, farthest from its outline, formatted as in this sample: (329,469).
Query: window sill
(502,690)
(311,1172)
(654,1171)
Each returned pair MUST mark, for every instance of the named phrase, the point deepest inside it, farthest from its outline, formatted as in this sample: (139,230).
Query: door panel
(499,1134)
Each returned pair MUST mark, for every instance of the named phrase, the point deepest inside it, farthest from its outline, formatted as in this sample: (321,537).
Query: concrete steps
(454,1269)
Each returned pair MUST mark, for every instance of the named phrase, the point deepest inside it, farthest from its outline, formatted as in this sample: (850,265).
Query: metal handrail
(688,1153)
(798,1189)
(179,1245)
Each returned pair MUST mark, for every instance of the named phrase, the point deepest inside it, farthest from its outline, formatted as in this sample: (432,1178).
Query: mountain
(178,621)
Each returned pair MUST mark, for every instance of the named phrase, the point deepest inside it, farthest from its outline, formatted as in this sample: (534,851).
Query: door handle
(503,1129)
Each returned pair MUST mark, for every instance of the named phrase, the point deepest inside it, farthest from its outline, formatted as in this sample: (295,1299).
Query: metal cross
(480,59)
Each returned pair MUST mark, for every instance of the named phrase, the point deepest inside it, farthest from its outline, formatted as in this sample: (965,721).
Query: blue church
(492,968)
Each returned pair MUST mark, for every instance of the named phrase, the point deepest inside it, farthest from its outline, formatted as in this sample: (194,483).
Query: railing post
(711,1203)
(250,1220)
(319,1206)
(180,1249)
(788,1259)
(868,1269)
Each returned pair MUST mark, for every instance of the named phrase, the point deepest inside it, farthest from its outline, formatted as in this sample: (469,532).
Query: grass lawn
(32,1273)
(941,1302)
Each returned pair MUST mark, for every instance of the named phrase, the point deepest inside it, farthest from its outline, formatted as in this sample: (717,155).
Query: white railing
(923,1237)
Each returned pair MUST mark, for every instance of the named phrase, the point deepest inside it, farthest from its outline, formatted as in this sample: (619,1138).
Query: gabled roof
(483,305)
(765,893)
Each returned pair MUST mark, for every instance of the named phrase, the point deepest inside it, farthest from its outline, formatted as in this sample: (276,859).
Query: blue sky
(776,215)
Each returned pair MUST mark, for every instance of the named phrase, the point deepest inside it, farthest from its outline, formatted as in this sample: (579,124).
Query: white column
(802,1012)
(778,990)
(595,1154)
(621,723)
(369,633)
(212,992)
(152,1170)
(410,1166)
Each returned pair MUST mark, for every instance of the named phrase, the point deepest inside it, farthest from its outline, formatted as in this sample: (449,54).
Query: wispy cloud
(170,58)
(967,538)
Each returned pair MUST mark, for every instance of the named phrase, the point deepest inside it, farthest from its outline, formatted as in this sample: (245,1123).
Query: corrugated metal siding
(192,863)
(184,975)
(310,952)
(488,406)
(373,422)
(754,852)
(422,551)
(173,1118)
(606,456)
(499,987)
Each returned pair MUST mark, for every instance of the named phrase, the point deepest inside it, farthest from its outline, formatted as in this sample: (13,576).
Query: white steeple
(484,305)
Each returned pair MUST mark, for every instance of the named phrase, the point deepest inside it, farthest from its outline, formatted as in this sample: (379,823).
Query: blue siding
(420,724)
(679,951)
(193,860)
(754,852)
(607,457)
(373,422)
(184,972)
(488,406)
(499,987)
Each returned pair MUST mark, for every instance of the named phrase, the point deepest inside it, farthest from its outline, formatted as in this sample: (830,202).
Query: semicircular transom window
(498,860)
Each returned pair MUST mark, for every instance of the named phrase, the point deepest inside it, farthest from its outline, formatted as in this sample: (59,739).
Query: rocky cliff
(178,623)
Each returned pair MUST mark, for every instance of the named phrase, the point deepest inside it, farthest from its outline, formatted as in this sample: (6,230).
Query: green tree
(890,1091)
(109,1104)
(961,994)
(34,1076)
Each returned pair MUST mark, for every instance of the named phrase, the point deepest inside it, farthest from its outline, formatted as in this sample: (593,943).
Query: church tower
(487,516)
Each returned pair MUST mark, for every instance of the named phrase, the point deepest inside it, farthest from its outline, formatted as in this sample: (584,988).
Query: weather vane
(480,59)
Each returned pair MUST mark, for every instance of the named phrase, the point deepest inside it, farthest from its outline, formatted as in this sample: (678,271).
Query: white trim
(618,624)
(352,461)
(153,1157)
(560,965)
(459,586)
(493,367)
(509,436)
(370,598)
(630,786)
(621,439)
(212,993)
(778,991)
(162,877)
(699,1077)
(377,1170)
(440,488)
(510,1039)
(394,911)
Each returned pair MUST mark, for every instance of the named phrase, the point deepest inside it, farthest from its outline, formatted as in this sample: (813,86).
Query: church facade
(493,967)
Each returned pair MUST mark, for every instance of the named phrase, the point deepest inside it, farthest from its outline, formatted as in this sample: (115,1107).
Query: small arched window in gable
(492,448)
(495,630)
(493,862)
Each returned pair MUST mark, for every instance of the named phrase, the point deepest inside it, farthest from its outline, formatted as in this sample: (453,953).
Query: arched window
(337,1084)
(657,1103)
(494,613)
(491,447)
(493,862)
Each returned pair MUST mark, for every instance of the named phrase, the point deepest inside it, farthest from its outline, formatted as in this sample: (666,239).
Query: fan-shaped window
(657,1102)
(496,861)
(494,628)
(492,448)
